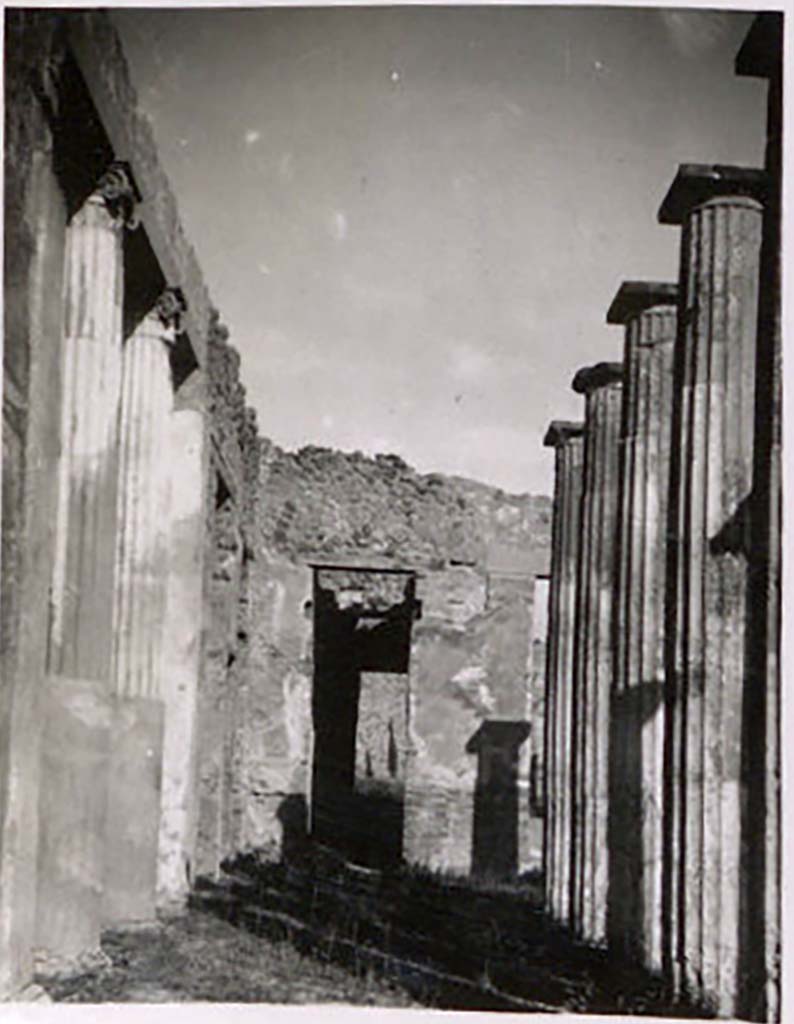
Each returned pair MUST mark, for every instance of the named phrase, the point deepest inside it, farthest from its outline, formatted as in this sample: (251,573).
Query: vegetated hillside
(322,503)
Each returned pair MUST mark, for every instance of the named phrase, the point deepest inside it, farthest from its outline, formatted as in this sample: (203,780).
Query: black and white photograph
(390,581)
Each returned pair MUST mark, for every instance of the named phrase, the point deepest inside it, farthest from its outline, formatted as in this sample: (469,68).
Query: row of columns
(663,721)
(120,534)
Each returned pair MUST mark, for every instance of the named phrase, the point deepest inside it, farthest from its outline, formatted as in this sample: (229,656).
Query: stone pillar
(602,386)
(532,786)
(711,483)
(648,311)
(568,443)
(181,653)
(761,56)
(223,582)
(141,577)
(33,335)
(76,707)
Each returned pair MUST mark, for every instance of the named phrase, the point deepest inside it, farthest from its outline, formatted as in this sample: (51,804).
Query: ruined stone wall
(324,504)
(464,672)
(470,651)
(276,735)
(223,689)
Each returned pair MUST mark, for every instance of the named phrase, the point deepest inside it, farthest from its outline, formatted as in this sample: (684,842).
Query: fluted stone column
(761,56)
(568,443)
(143,510)
(144,500)
(648,311)
(711,482)
(181,654)
(602,385)
(82,589)
(77,709)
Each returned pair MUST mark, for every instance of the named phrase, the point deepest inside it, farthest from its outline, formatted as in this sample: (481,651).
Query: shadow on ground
(321,929)
(446,942)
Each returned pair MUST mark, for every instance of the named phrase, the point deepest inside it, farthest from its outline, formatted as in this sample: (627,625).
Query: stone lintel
(365,590)
(695,184)
(367,565)
(761,53)
(561,431)
(589,378)
(634,297)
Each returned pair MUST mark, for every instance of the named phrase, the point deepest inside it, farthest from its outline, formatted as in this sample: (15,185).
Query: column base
(133,812)
(72,804)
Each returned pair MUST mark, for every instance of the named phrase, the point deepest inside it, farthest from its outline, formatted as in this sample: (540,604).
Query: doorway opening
(360,709)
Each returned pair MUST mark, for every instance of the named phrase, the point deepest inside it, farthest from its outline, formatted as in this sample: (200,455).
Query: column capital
(117,189)
(561,431)
(170,306)
(695,184)
(600,375)
(634,297)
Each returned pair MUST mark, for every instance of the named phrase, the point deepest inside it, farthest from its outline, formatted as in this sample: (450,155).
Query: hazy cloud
(338,225)
(374,295)
(287,357)
(694,32)
(469,363)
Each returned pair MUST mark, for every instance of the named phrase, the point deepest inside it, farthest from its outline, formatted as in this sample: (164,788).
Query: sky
(414,219)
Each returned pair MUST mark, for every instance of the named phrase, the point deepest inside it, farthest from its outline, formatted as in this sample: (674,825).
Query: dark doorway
(362,640)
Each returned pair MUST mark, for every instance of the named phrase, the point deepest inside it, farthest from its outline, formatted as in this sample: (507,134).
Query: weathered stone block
(73,813)
(133,810)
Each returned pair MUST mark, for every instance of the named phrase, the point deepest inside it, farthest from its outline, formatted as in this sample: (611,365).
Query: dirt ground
(313,932)
(199,958)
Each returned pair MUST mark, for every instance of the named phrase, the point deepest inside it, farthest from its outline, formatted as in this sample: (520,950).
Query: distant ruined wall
(276,734)
(477,552)
(464,671)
